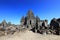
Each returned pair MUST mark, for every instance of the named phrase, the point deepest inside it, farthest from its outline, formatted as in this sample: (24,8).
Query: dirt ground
(28,35)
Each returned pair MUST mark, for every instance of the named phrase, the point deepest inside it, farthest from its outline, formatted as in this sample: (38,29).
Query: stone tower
(31,22)
(30,18)
(22,20)
(30,14)
(4,23)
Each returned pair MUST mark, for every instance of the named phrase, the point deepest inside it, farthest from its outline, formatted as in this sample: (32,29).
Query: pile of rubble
(8,28)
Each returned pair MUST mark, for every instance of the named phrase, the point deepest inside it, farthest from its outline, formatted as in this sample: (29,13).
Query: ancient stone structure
(55,26)
(31,23)
(34,23)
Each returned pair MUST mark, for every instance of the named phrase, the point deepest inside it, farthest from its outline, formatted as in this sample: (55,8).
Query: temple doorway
(30,22)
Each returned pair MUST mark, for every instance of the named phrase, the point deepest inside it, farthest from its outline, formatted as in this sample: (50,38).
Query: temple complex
(32,23)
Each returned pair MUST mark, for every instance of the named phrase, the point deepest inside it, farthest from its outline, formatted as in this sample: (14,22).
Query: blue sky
(13,10)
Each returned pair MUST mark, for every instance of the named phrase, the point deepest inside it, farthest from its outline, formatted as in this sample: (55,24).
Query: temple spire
(4,23)
(22,19)
(30,14)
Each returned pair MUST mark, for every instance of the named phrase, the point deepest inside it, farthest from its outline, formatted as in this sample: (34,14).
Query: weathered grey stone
(55,26)
(34,23)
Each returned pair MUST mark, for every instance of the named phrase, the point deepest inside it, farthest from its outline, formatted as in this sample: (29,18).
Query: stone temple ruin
(34,23)
(55,26)
(31,23)
(40,26)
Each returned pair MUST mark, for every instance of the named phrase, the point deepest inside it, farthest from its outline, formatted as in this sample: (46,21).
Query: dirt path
(28,35)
